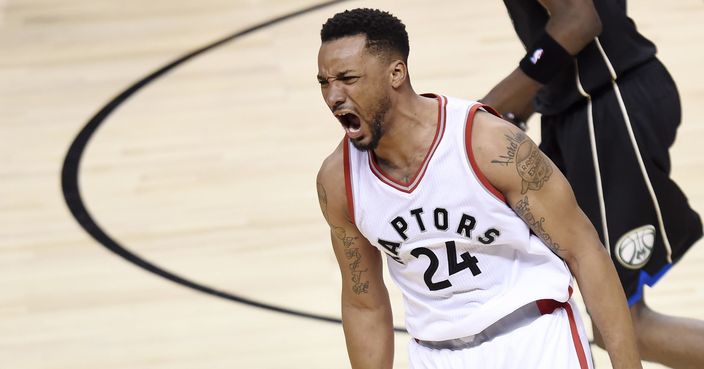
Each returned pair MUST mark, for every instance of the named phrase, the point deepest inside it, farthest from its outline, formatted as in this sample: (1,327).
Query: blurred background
(208,172)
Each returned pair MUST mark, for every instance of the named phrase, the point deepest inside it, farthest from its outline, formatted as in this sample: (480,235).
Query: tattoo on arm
(354,257)
(323,199)
(532,166)
(522,208)
(513,141)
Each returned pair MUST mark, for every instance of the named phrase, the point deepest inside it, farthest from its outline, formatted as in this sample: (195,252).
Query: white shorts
(525,339)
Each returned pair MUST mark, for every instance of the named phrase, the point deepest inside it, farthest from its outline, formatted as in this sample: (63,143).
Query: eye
(323,82)
(349,79)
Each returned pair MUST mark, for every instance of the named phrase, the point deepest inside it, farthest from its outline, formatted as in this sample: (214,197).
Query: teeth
(351,123)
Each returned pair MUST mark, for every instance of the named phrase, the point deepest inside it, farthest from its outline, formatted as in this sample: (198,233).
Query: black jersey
(625,47)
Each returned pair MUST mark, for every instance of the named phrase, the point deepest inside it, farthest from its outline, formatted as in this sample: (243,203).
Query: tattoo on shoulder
(513,141)
(533,167)
(354,257)
(522,208)
(323,200)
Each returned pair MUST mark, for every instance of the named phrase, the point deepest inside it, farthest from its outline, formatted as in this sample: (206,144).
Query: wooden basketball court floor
(206,174)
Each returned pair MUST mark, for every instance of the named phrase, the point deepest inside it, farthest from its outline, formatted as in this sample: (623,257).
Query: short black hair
(384,31)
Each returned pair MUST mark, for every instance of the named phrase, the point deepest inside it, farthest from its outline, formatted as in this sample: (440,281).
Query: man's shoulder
(331,185)
(497,145)
(332,167)
(488,130)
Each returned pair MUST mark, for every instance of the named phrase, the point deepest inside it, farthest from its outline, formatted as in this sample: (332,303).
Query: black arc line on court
(74,201)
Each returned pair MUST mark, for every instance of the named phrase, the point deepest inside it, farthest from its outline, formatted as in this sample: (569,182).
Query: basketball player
(479,229)
(608,128)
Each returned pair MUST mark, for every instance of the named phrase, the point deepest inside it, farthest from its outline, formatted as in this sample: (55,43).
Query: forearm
(607,306)
(572,25)
(369,336)
(514,94)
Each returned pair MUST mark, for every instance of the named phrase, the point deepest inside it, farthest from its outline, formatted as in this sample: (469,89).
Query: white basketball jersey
(461,256)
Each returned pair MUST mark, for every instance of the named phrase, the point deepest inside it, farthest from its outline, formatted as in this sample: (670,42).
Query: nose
(334,95)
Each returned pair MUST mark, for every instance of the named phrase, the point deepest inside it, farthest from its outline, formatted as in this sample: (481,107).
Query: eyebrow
(339,75)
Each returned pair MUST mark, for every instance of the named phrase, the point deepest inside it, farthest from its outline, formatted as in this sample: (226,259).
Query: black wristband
(544,59)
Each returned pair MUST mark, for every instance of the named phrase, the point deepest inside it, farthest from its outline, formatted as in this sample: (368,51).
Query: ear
(399,73)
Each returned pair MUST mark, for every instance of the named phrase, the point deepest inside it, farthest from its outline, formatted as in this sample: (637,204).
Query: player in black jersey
(598,84)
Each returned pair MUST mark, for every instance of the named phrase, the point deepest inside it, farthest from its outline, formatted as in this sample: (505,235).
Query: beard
(376,126)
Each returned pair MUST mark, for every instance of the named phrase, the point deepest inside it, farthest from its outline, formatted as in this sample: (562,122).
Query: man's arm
(542,197)
(573,24)
(366,310)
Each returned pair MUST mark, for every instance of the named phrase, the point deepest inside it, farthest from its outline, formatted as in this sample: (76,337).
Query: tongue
(353,132)
(353,126)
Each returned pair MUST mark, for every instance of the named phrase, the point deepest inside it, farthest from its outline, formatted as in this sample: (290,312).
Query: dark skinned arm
(542,197)
(573,24)
(366,309)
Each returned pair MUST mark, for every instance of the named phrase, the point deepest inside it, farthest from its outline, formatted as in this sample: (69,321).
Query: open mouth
(350,122)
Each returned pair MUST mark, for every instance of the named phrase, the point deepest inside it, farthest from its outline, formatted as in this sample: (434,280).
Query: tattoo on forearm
(323,200)
(532,166)
(522,208)
(355,258)
(513,141)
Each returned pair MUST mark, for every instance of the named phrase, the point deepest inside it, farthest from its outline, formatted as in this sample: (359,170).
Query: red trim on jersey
(575,338)
(439,132)
(348,178)
(470,154)
(547,307)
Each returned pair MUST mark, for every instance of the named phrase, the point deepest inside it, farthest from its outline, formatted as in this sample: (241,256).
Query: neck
(409,131)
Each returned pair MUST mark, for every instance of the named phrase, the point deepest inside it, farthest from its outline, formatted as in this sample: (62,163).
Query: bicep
(551,211)
(360,265)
